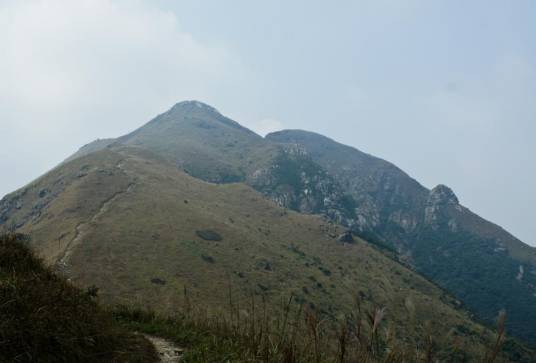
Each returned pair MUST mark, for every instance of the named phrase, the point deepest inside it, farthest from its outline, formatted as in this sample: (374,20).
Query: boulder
(346,237)
(208,235)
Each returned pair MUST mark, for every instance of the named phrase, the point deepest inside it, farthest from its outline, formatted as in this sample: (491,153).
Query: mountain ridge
(296,137)
(481,263)
(142,230)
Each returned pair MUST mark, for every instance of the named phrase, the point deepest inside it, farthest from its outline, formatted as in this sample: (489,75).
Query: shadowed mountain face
(478,261)
(96,191)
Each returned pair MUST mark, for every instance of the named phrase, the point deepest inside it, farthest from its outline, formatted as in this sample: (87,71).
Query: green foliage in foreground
(44,318)
(251,334)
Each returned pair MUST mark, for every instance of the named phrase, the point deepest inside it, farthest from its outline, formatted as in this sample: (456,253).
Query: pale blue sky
(444,89)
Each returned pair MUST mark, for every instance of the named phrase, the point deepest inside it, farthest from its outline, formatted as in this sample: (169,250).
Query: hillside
(199,140)
(141,230)
(205,144)
(482,264)
(312,174)
(46,319)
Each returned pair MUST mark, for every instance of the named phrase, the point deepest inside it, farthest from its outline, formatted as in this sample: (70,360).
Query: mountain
(180,204)
(482,264)
(143,231)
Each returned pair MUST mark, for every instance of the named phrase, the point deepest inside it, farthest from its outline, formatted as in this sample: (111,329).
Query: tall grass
(44,318)
(297,334)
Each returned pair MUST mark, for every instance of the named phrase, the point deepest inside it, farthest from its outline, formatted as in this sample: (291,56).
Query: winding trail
(82,228)
(167,350)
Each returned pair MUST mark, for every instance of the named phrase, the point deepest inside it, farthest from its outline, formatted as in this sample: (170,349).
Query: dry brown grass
(296,335)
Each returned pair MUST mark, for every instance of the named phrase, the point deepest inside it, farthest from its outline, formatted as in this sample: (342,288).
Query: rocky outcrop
(209,235)
(294,181)
(437,210)
(442,195)
(346,237)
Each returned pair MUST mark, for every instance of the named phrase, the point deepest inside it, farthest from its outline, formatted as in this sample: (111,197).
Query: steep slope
(201,141)
(207,145)
(479,262)
(382,191)
(46,319)
(143,231)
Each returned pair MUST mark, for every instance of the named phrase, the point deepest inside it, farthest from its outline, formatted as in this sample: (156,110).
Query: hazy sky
(444,89)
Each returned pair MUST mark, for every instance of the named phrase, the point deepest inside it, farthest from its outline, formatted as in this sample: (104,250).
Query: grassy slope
(203,142)
(46,319)
(199,140)
(139,245)
(212,147)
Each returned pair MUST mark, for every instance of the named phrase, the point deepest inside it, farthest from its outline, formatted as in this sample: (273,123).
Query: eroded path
(167,350)
(83,227)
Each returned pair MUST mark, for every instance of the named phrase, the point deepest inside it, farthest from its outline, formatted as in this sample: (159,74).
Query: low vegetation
(297,335)
(47,319)
(496,268)
(44,318)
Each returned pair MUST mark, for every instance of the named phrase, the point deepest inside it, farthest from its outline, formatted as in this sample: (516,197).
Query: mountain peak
(191,105)
(442,195)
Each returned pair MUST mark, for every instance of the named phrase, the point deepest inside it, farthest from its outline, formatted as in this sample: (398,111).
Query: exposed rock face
(436,211)
(367,215)
(380,192)
(294,181)
(442,195)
